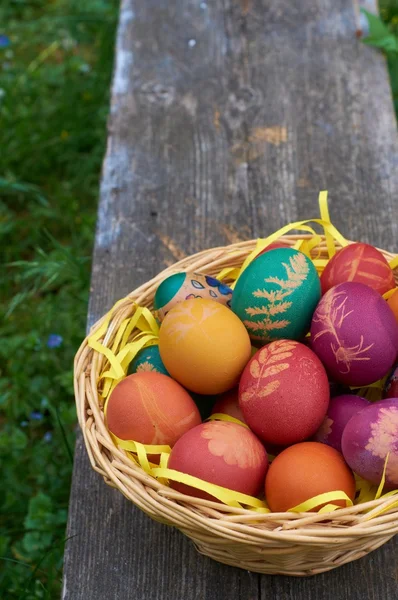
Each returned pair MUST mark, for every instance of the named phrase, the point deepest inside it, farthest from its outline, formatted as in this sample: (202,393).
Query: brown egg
(204,346)
(151,408)
(306,470)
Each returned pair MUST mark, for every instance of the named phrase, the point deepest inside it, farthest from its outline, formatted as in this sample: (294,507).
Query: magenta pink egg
(340,411)
(369,436)
(354,333)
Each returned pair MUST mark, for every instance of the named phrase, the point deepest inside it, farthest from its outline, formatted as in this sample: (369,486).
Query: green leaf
(40,508)
(12,438)
(379,35)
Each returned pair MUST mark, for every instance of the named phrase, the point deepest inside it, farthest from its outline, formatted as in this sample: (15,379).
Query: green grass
(383,34)
(55,69)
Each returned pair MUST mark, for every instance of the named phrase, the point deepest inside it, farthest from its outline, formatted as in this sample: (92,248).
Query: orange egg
(393,304)
(204,346)
(151,408)
(304,471)
(228,404)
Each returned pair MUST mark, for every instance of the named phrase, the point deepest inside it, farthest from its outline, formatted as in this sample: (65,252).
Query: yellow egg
(204,346)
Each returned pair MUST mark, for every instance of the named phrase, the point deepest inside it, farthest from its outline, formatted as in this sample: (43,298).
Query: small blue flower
(48,436)
(54,340)
(35,415)
(4,41)
(24,423)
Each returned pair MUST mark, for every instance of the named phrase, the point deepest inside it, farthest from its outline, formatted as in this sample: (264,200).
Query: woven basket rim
(204,519)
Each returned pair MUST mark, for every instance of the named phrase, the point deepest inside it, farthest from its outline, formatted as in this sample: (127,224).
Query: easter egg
(204,346)
(276,295)
(284,393)
(186,286)
(393,304)
(148,359)
(354,333)
(228,404)
(368,437)
(391,387)
(340,411)
(274,246)
(223,453)
(150,408)
(361,263)
(306,470)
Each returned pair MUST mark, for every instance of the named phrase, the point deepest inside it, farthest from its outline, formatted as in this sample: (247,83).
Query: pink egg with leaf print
(354,333)
(369,437)
(223,453)
(284,393)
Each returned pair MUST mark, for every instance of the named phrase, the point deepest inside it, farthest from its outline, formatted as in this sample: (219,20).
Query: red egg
(223,453)
(274,246)
(151,408)
(361,263)
(284,393)
(228,404)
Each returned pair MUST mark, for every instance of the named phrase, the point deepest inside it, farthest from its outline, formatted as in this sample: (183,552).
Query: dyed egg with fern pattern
(204,346)
(226,454)
(150,408)
(369,437)
(355,334)
(276,295)
(284,393)
(361,263)
(188,286)
(148,359)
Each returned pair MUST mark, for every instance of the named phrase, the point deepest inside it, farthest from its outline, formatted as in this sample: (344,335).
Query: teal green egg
(168,289)
(148,359)
(188,286)
(276,295)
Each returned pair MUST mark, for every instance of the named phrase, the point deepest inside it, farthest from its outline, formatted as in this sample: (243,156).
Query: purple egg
(355,334)
(368,437)
(340,411)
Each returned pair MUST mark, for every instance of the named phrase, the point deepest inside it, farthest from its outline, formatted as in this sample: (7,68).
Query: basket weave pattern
(284,543)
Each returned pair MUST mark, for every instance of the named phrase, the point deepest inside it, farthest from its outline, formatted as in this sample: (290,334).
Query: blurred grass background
(55,68)
(56,60)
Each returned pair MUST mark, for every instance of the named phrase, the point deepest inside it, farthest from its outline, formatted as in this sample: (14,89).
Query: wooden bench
(227,118)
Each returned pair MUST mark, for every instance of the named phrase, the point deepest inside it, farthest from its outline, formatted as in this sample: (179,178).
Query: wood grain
(227,118)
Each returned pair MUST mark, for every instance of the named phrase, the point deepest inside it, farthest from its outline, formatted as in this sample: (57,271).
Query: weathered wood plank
(227,118)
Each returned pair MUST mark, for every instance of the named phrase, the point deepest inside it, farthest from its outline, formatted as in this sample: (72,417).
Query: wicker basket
(285,543)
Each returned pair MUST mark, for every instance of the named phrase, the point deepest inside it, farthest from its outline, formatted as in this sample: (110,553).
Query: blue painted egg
(148,359)
(186,286)
(276,295)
